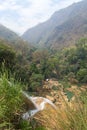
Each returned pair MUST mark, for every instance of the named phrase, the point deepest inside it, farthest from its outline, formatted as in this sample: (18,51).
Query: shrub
(7,55)
(82,75)
(10,102)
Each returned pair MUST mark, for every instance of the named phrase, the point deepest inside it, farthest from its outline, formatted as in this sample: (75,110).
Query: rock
(50,98)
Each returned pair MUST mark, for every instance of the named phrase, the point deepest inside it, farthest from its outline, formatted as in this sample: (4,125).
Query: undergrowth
(11,109)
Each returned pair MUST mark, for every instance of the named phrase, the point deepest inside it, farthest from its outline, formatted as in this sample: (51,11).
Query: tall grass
(11,109)
(68,118)
(12,105)
(10,102)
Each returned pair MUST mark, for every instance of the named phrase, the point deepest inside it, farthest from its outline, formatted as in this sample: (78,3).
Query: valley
(43,73)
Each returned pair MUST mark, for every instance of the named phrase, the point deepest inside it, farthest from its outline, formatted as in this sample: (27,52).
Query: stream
(37,103)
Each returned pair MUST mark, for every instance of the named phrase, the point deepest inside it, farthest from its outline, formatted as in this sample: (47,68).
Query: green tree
(36,81)
(7,56)
(82,75)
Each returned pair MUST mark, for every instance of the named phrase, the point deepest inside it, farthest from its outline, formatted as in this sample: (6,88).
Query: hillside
(63,28)
(7,34)
(55,76)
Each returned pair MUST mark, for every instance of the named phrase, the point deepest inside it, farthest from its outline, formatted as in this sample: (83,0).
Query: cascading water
(37,106)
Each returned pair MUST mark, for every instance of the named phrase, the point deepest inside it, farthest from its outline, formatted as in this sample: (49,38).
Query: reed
(67,118)
(10,101)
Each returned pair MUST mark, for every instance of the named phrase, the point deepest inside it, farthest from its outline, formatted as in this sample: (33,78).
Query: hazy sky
(19,15)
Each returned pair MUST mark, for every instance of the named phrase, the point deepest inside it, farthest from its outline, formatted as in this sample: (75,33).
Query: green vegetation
(72,62)
(10,102)
(11,105)
(11,108)
(7,56)
(31,66)
(69,94)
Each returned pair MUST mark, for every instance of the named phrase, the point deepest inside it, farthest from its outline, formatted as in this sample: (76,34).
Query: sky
(20,15)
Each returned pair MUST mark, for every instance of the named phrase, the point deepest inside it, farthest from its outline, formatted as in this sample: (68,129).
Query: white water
(37,107)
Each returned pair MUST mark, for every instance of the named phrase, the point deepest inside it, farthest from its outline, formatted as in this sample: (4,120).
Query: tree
(40,55)
(82,75)
(7,56)
(36,81)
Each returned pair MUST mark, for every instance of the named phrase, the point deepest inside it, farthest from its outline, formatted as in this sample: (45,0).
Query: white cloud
(30,12)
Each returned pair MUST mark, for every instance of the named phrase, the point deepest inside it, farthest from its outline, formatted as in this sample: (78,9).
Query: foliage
(36,81)
(72,62)
(31,66)
(69,94)
(82,75)
(28,63)
(7,55)
(10,102)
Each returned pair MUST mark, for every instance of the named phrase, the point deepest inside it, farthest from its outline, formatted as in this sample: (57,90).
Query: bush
(7,55)
(36,81)
(10,102)
(82,75)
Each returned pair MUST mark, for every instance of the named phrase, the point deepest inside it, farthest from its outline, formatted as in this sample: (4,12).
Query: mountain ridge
(7,34)
(64,26)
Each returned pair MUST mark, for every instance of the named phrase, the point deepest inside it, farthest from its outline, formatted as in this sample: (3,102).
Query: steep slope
(71,30)
(62,28)
(43,30)
(7,34)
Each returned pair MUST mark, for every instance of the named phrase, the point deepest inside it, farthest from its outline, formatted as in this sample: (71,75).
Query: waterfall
(38,104)
(29,98)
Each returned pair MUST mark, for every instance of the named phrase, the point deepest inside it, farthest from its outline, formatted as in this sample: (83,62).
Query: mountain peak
(64,26)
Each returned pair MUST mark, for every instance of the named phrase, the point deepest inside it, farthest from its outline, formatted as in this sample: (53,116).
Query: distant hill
(63,28)
(7,34)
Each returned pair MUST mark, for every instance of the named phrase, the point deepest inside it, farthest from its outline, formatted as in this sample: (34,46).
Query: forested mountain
(7,34)
(63,28)
(58,75)
(31,66)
